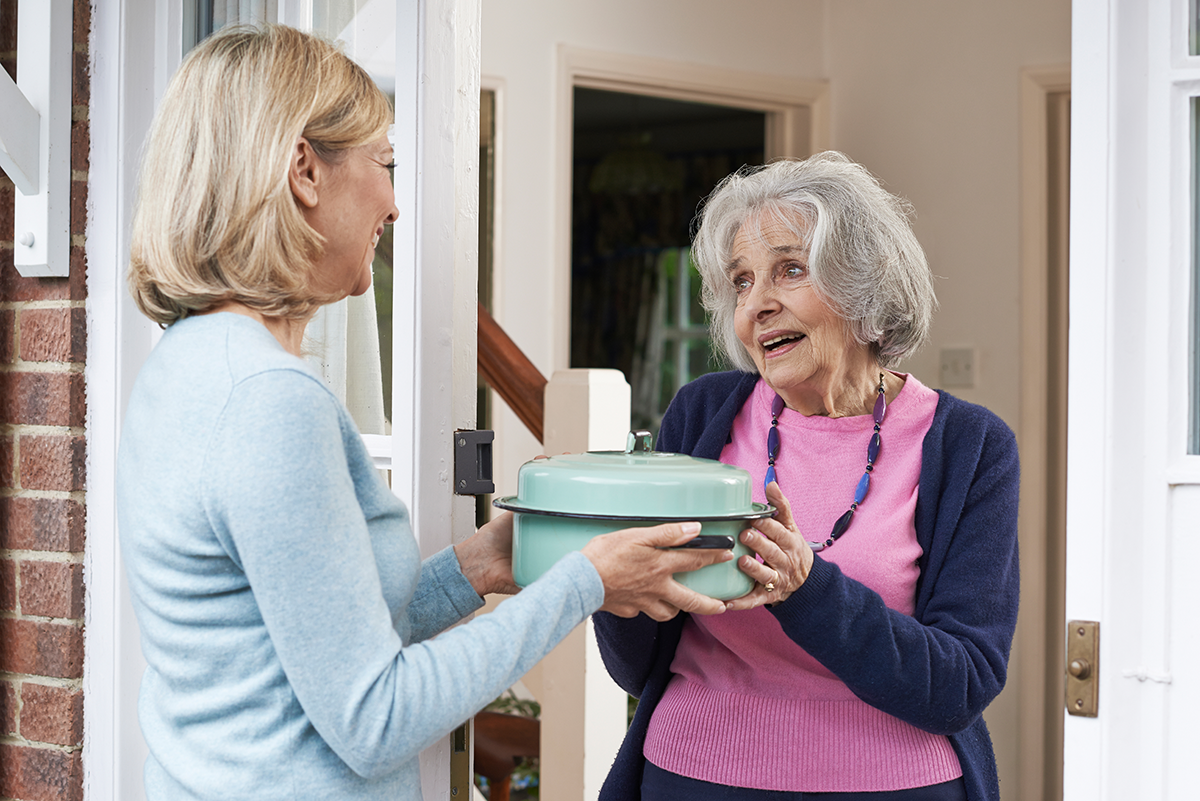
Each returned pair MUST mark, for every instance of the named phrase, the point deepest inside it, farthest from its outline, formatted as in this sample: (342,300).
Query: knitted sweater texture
(937,669)
(286,616)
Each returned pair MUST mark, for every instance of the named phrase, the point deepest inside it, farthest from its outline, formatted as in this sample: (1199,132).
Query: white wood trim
(439,351)
(123,91)
(1125,344)
(798,124)
(1182,247)
(1088,375)
(499,87)
(42,201)
(1183,472)
(1030,653)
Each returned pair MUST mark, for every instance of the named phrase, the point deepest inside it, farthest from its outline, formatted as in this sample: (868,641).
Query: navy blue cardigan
(939,668)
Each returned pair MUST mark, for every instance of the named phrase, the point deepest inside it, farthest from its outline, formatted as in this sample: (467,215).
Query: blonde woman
(286,617)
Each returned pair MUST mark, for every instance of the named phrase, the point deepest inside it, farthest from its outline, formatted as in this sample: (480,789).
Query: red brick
(8,209)
(53,462)
(41,649)
(40,774)
(42,399)
(8,25)
(14,286)
(51,714)
(8,708)
(77,281)
(8,330)
(42,524)
(78,223)
(8,585)
(51,589)
(83,21)
(80,144)
(53,335)
(80,91)
(8,477)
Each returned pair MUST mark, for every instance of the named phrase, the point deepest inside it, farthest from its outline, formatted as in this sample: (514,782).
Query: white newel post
(583,710)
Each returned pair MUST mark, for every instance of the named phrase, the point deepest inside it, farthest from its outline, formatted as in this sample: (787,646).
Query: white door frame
(797,112)
(1035,661)
(1133,492)
(134,47)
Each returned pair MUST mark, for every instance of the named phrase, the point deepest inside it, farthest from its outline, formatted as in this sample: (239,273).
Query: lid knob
(639,442)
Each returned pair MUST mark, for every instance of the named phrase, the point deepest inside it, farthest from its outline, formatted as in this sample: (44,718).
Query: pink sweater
(747,707)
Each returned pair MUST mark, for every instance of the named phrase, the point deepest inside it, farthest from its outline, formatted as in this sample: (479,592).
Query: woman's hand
(786,557)
(637,571)
(486,557)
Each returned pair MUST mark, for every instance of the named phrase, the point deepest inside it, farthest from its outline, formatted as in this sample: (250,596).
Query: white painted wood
(42,205)
(1131,491)
(1038,589)
(583,711)
(124,77)
(1089,345)
(437,84)
(20,129)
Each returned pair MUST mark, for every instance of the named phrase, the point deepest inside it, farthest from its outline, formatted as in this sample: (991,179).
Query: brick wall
(43,337)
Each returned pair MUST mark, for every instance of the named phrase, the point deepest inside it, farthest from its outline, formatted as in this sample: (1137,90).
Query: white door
(429,51)
(1133,495)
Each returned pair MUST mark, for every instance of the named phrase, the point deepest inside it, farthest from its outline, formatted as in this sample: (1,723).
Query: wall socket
(957,367)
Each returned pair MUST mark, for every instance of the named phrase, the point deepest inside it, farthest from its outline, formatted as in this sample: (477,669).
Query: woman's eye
(795,271)
(390,166)
(741,284)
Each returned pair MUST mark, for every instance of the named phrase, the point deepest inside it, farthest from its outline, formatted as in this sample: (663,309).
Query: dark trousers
(661,785)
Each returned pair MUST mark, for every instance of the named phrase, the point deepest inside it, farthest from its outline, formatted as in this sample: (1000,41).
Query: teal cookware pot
(562,502)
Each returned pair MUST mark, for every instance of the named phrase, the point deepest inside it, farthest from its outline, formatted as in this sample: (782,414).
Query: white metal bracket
(35,137)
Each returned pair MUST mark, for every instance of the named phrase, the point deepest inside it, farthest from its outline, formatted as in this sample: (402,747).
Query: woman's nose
(761,301)
(393,216)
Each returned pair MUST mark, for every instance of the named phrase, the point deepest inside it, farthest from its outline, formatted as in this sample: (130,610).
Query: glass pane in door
(1194,332)
(1194,27)
(362,337)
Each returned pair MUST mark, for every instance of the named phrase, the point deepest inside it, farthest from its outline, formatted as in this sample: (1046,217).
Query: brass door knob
(1079,668)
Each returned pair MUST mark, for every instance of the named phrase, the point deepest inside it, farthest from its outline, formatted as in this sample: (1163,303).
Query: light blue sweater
(286,616)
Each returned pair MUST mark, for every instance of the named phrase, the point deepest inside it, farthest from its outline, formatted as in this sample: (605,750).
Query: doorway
(641,166)
(1038,653)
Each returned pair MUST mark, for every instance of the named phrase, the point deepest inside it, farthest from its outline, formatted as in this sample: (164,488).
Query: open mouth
(780,341)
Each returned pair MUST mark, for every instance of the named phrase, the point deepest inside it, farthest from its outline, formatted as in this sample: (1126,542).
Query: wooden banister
(509,371)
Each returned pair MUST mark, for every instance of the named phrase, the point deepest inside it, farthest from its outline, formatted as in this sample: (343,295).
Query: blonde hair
(864,258)
(216,220)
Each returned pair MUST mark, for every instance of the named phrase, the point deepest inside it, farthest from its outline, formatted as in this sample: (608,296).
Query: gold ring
(770,585)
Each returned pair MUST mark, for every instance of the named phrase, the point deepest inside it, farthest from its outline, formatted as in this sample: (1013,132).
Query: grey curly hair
(864,259)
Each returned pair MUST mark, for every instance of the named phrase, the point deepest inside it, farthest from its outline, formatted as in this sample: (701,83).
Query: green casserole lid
(637,483)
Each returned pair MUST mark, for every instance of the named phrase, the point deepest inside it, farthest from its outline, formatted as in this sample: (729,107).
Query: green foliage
(526,775)
(510,704)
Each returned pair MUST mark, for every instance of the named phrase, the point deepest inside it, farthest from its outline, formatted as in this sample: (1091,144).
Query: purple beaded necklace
(864,483)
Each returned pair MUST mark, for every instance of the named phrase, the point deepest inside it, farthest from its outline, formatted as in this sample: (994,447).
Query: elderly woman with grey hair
(886,590)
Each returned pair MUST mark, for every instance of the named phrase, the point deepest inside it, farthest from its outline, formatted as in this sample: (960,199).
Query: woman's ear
(305,173)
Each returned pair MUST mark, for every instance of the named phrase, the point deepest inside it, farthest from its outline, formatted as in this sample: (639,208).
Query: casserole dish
(562,502)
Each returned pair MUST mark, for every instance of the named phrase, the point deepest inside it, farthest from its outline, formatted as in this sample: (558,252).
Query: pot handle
(639,442)
(716,542)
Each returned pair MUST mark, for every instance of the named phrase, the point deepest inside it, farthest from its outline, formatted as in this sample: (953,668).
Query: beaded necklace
(864,483)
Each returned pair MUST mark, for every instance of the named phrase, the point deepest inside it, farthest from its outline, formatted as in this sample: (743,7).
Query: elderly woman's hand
(637,570)
(786,556)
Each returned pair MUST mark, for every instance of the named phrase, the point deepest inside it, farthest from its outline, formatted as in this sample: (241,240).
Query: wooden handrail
(509,371)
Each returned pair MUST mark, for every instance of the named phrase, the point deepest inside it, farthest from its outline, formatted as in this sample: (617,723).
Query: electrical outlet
(957,367)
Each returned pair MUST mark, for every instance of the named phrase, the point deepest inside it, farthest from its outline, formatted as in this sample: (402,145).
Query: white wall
(925,93)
